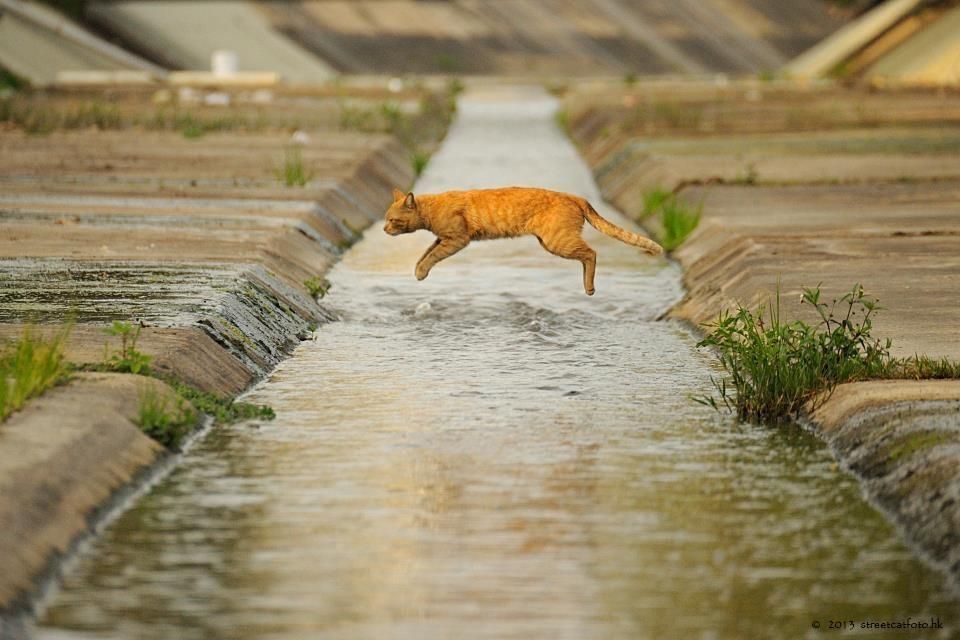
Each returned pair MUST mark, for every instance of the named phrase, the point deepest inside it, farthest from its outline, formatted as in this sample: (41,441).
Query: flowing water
(490,453)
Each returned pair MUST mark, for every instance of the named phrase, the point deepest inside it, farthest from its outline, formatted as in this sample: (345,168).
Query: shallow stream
(490,453)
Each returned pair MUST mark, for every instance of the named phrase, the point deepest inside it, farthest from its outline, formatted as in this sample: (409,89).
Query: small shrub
(294,173)
(317,286)
(166,424)
(678,221)
(29,366)
(128,359)
(773,368)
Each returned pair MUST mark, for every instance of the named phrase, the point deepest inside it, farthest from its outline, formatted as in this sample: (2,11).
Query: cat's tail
(606,227)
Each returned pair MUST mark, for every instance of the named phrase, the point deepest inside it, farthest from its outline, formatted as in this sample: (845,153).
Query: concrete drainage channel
(491,454)
(196,241)
(867,193)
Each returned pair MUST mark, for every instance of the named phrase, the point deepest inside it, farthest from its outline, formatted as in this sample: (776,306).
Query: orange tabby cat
(457,217)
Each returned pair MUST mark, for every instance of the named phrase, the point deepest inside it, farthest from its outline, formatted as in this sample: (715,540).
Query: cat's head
(403,216)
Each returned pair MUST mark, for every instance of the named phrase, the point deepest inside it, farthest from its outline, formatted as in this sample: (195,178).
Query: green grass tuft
(920,367)
(419,160)
(654,199)
(317,286)
(166,424)
(678,221)
(29,366)
(562,118)
(294,173)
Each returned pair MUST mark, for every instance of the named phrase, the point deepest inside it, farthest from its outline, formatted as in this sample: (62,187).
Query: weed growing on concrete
(357,119)
(447,62)
(419,160)
(166,424)
(169,425)
(128,359)
(920,367)
(774,368)
(36,118)
(678,220)
(455,87)
(654,199)
(294,173)
(317,286)
(562,118)
(29,366)
(222,410)
(91,114)
(192,131)
(195,125)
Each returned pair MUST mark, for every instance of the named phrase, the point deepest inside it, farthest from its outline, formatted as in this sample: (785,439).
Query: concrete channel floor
(490,453)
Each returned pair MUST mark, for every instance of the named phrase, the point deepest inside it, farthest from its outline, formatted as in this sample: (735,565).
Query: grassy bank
(32,364)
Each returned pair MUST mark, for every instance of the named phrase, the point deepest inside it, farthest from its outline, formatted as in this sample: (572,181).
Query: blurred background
(143,41)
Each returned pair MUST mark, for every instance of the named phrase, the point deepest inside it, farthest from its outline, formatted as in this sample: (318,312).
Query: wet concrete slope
(198,241)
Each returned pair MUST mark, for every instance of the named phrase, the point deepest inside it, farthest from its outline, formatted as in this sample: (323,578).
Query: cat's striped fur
(457,217)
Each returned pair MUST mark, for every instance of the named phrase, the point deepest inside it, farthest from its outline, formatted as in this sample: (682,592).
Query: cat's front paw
(421,272)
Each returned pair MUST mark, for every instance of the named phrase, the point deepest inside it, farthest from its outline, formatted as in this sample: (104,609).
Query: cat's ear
(397,195)
(410,202)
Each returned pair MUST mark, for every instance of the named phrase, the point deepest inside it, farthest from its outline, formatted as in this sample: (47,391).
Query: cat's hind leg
(573,247)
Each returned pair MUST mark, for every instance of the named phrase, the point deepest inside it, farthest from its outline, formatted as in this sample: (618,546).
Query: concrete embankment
(196,239)
(830,187)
